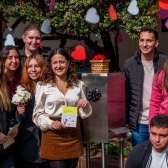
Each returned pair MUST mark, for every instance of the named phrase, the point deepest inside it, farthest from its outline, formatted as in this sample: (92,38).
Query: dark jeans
(68,163)
(140,135)
(6,161)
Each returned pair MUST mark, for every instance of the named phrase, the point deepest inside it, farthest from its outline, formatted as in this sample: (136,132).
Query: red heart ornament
(112,13)
(163,4)
(79,53)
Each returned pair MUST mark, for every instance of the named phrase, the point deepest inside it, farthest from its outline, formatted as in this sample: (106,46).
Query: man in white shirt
(153,153)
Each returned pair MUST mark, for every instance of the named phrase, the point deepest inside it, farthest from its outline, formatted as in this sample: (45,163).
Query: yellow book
(69,116)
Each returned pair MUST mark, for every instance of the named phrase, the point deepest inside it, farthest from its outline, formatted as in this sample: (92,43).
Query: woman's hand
(82,103)
(57,125)
(13,133)
(21,109)
(3,138)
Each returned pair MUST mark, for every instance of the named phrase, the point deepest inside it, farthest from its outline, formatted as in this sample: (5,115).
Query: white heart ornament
(133,8)
(9,40)
(95,37)
(92,16)
(45,27)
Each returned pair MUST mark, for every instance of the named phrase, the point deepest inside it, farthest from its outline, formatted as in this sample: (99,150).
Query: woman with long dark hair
(29,138)
(6,121)
(11,66)
(60,145)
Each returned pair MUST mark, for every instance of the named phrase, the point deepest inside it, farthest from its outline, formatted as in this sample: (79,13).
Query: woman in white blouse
(60,144)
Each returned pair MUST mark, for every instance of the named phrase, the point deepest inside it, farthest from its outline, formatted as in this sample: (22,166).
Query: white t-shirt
(147,89)
(159,159)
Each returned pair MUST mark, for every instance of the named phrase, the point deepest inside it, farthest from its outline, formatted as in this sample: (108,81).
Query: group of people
(147,103)
(41,140)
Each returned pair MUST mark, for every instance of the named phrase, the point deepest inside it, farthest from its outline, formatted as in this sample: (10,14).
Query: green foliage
(112,148)
(95,145)
(69,15)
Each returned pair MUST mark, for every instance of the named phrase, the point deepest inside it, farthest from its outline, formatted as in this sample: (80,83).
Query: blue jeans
(140,135)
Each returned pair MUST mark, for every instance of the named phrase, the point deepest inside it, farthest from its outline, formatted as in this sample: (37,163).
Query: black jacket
(7,120)
(140,156)
(28,140)
(134,74)
(43,52)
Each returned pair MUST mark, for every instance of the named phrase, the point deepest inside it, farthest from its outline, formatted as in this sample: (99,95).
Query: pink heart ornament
(166,23)
(119,37)
(162,14)
(52,5)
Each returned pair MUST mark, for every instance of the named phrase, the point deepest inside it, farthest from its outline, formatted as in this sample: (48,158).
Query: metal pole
(87,155)
(103,155)
(121,146)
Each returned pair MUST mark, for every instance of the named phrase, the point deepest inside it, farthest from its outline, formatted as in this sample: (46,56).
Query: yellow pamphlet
(69,116)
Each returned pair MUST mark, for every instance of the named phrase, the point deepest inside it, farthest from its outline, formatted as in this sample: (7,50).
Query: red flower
(99,57)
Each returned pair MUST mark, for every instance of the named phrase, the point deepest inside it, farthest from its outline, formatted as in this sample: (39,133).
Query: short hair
(31,27)
(150,30)
(160,120)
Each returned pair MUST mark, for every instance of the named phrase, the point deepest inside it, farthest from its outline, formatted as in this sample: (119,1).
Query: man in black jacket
(153,153)
(32,39)
(139,72)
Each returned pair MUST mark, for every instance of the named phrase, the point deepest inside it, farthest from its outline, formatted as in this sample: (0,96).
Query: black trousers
(7,161)
(25,164)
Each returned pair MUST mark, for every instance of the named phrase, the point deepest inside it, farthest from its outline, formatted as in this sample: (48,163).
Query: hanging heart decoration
(133,8)
(7,31)
(79,53)
(163,4)
(95,37)
(45,27)
(71,33)
(162,14)
(112,12)
(9,40)
(20,2)
(92,16)
(94,95)
(119,37)
(166,23)
(52,5)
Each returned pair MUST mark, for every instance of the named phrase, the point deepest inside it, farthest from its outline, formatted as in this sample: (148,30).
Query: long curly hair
(72,77)
(26,81)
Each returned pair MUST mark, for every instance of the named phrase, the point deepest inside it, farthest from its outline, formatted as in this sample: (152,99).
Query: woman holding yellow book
(60,144)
